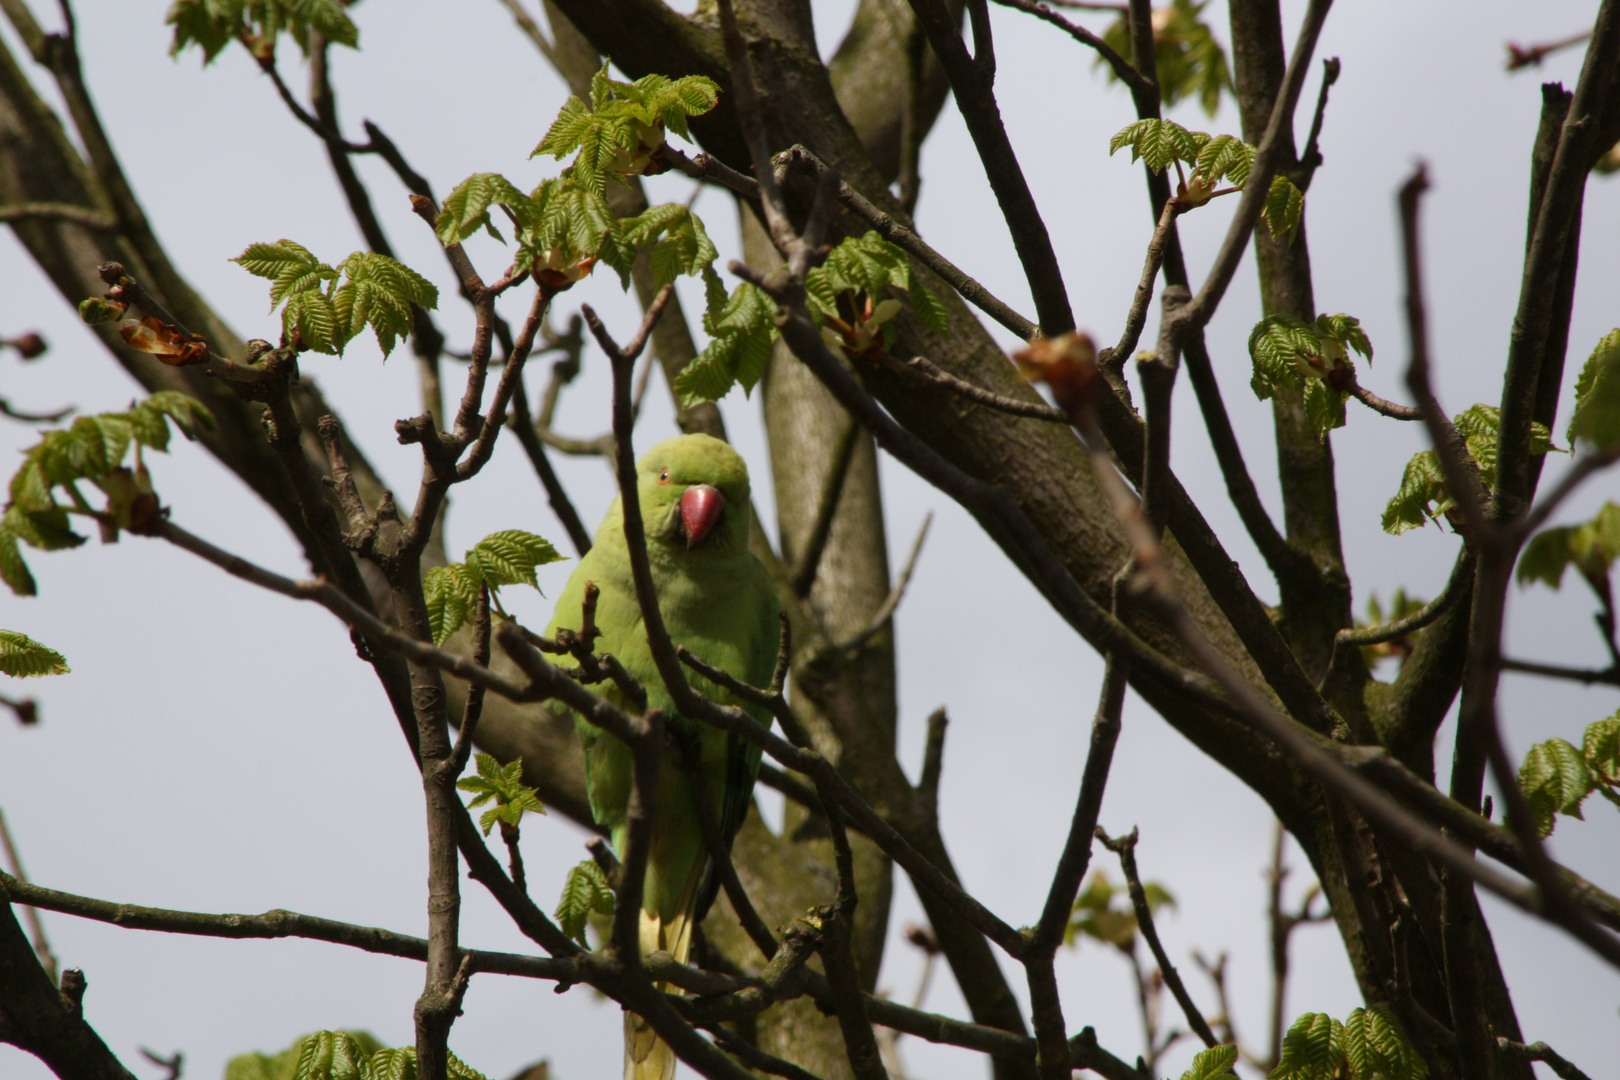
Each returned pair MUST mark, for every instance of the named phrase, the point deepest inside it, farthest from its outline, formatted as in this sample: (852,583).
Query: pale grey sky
(218,748)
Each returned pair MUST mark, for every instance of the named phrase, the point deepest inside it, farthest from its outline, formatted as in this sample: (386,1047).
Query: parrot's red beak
(701,507)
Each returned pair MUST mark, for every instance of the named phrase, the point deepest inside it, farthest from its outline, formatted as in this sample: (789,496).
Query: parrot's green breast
(719,602)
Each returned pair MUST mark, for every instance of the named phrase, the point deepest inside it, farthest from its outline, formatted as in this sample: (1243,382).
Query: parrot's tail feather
(646,1056)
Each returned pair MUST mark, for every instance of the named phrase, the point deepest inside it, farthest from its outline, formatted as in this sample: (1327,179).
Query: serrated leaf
(395,1064)
(1596,419)
(149,420)
(313,319)
(1601,748)
(584,893)
(1285,206)
(1375,1048)
(331,1055)
(742,334)
(13,567)
(510,557)
(1213,1064)
(1158,143)
(22,657)
(450,596)
(1225,157)
(1555,779)
(291,268)
(1313,1049)
(466,209)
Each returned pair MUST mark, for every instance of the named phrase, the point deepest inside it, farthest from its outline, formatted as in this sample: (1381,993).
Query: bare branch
(1125,848)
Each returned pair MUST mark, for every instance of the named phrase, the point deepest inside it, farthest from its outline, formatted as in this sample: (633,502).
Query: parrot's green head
(694,495)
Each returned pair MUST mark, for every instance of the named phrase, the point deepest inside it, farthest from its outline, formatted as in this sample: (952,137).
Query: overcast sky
(218,748)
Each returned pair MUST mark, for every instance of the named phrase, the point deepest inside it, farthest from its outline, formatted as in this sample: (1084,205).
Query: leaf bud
(29,345)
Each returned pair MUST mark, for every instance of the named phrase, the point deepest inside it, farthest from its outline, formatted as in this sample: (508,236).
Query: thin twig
(1122,67)
(1588,676)
(1381,405)
(1540,1051)
(1462,576)
(972,82)
(1125,848)
(277,923)
(36,928)
(885,612)
(922,370)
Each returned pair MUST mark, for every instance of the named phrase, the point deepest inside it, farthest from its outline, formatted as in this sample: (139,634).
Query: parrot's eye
(663,477)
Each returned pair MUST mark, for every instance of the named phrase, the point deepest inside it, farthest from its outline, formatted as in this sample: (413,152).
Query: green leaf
(1555,779)
(1157,143)
(22,657)
(1212,1064)
(331,1055)
(13,567)
(1189,61)
(149,420)
(1285,206)
(1601,748)
(742,329)
(509,557)
(466,209)
(450,595)
(1423,494)
(213,24)
(617,133)
(291,268)
(1375,1048)
(1596,419)
(1225,157)
(584,894)
(1313,1049)
(310,319)
(1298,358)
(395,1064)
(504,786)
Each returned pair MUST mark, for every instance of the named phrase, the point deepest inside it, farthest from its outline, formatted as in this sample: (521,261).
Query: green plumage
(718,601)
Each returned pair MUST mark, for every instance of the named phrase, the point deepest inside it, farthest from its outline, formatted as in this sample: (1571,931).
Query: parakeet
(718,601)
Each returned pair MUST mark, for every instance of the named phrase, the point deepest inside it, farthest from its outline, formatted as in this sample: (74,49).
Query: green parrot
(718,601)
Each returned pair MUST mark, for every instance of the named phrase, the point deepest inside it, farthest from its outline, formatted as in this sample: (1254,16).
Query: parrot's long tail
(646,1056)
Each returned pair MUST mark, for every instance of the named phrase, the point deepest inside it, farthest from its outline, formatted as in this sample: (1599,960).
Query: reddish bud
(30,345)
(1067,363)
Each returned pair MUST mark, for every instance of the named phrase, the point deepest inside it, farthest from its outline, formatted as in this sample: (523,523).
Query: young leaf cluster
(213,24)
(848,295)
(1369,1045)
(1596,419)
(502,784)
(327,306)
(508,557)
(1095,916)
(1189,61)
(1203,161)
(339,1055)
(1213,1064)
(584,894)
(565,227)
(92,449)
(741,329)
(1400,606)
(1591,547)
(1423,493)
(1308,358)
(617,134)
(22,657)
(1556,778)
